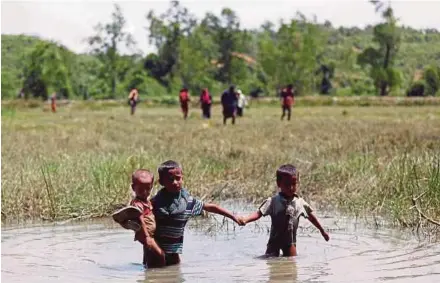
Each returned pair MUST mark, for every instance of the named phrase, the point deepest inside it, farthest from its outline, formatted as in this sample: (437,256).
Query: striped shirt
(172,211)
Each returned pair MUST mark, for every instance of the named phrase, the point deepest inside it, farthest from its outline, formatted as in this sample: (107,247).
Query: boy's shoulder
(185,193)
(140,203)
(161,194)
(279,199)
(275,197)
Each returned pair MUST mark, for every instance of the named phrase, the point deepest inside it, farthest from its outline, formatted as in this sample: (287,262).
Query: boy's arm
(150,242)
(264,209)
(312,218)
(211,207)
(252,217)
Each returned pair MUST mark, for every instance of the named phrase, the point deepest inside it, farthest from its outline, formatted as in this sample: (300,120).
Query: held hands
(239,220)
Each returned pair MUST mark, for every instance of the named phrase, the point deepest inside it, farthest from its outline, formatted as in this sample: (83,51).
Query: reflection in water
(282,269)
(169,274)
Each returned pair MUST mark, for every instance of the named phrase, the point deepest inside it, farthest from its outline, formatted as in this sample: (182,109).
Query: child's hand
(149,242)
(238,220)
(325,235)
(241,221)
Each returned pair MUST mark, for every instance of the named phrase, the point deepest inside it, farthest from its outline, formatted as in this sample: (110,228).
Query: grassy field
(363,161)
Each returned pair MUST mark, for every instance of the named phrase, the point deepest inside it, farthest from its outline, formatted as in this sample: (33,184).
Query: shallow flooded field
(100,251)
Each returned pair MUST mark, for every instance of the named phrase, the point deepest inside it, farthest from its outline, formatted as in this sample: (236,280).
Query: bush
(432,79)
(363,87)
(347,91)
(417,89)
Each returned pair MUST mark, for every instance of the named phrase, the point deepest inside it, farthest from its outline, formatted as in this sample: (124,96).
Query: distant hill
(417,50)
(15,52)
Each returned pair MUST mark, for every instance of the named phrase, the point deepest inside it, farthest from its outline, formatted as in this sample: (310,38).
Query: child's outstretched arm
(251,217)
(214,208)
(312,218)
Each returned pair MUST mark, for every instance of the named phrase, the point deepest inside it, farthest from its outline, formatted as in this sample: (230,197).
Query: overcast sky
(69,22)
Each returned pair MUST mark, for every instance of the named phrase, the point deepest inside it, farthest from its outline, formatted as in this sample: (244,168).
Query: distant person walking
(53,102)
(133,99)
(184,99)
(287,101)
(242,103)
(206,102)
(229,102)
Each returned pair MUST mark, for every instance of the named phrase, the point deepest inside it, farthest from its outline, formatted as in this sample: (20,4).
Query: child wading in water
(285,208)
(173,206)
(139,217)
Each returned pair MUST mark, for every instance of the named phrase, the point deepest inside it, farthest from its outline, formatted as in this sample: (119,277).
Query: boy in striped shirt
(173,206)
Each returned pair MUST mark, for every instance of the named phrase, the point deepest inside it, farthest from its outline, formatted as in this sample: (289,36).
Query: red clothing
(184,107)
(184,102)
(145,206)
(205,98)
(53,103)
(147,216)
(287,96)
(184,96)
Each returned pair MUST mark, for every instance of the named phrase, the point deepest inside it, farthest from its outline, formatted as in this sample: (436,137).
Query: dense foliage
(386,59)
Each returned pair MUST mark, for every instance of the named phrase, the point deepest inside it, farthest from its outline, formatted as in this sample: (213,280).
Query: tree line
(215,51)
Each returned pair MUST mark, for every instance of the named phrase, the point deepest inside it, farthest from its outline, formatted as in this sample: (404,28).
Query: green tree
(197,61)
(432,79)
(166,33)
(225,32)
(47,71)
(106,45)
(381,59)
(290,56)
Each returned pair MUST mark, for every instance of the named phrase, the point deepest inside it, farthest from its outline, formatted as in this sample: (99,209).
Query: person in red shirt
(206,102)
(287,101)
(184,99)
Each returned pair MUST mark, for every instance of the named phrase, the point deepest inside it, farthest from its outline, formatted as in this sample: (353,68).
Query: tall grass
(364,161)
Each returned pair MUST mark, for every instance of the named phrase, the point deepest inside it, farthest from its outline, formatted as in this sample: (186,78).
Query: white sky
(69,22)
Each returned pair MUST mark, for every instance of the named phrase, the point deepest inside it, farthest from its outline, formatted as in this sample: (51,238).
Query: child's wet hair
(286,170)
(165,167)
(141,175)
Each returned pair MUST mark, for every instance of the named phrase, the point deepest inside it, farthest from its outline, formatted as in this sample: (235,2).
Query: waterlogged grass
(363,161)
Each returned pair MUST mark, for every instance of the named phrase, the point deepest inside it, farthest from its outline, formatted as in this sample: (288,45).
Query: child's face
(288,184)
(173,180)
(142,189)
